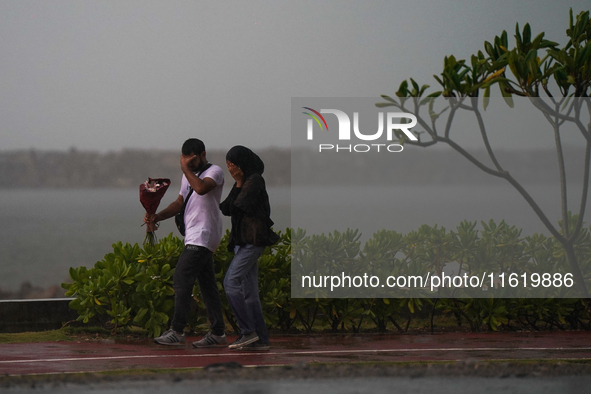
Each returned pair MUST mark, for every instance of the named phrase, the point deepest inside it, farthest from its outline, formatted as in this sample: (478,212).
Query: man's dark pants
(196,263)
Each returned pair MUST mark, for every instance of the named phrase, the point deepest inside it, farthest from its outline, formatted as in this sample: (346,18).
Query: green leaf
(415,86)
(486,97)
(527,34)
(506,96)
(73,274)
(489,49)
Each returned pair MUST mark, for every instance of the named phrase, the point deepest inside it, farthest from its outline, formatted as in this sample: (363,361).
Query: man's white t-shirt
(203,218)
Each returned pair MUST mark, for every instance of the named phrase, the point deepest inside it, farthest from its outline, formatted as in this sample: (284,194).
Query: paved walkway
(88,356)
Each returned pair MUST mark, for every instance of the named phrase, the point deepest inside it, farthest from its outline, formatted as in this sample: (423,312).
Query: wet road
(89,356)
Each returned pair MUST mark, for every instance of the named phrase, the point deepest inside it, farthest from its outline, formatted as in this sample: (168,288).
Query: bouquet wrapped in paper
(151,192)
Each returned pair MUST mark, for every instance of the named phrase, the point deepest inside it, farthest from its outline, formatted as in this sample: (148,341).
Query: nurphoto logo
(393,122)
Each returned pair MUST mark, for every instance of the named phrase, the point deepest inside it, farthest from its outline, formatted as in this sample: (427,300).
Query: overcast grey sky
(108,75)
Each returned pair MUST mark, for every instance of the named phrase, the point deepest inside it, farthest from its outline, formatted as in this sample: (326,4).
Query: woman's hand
(236,173)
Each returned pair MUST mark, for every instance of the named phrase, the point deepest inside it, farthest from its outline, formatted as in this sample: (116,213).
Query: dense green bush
(133,285)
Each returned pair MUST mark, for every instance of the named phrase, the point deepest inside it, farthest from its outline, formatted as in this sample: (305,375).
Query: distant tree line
(123,169)
(129,168)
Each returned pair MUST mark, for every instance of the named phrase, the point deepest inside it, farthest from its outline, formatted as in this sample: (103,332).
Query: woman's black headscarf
(246,160)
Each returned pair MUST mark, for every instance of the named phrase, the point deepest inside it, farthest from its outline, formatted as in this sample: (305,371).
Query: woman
(248,206)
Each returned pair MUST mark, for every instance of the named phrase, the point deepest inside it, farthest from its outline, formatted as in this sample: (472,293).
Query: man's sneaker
(244,340)
(211,340)
(170,338)
(257,346)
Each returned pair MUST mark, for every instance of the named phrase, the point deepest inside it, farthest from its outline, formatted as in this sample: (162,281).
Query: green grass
(69,334)
(42,336)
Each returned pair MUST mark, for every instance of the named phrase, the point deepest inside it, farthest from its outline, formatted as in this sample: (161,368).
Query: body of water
(45,232)
(404,208)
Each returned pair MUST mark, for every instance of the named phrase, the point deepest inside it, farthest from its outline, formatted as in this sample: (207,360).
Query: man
(203,232)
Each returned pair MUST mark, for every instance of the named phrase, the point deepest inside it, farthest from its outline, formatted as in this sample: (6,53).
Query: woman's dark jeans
(242,289)
(196,263)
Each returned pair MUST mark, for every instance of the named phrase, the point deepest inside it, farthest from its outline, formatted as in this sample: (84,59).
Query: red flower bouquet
(151,192)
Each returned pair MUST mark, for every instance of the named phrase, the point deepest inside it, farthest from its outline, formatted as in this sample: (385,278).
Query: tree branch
(452,114)
(505,175)
(583,194)
(484,135)
(545,108)
(562,173)
(471,158)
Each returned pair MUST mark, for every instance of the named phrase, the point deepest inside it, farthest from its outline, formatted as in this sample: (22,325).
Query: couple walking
(247,204)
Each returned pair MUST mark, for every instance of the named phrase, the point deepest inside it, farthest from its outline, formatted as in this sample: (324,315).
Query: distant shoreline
(73,169)
(27,291)
(125,169)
